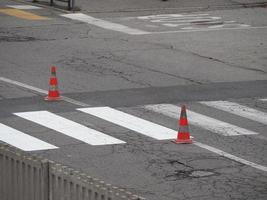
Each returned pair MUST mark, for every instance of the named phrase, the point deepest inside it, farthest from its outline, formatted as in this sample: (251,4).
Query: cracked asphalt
(101,67)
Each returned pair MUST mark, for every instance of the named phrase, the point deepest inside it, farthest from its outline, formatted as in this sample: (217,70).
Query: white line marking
(104,24)
(202,121)
(23,7)
(21,140)
(208,29)
(188,28)
(232,157)
(23,85)
(239,110)
(172,25)
(186,19)
(263,99)
(41,91)
(244,25)
(169,15)
(68,127)
(131,122)
(173,114)
(216,26)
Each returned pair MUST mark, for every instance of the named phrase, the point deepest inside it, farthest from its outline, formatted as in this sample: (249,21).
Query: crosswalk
(136,125)
(202,121)
(69,128)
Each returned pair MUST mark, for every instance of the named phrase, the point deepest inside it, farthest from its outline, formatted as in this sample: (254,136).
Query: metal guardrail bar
(28,177)
(71,3)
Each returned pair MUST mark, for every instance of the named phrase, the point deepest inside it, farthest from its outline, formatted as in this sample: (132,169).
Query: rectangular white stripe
(232,157)
(166,16)
(239,110)
(104,24)
(23,7)
(21,140)
(200,120)
(131,122)
(263,99)
(68,127)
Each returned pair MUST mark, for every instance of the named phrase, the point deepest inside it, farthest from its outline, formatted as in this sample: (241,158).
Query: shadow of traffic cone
(53,93)
(183,136)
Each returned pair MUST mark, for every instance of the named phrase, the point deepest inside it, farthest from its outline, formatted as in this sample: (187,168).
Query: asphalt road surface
(124,69)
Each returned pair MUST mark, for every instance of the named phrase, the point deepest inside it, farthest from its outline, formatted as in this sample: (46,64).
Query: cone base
(52,98)
(188,141)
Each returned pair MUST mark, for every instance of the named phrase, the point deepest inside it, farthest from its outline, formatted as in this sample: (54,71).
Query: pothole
(183,174)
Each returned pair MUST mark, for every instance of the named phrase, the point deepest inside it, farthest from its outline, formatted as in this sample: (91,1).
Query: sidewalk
(156,6)
(139,5)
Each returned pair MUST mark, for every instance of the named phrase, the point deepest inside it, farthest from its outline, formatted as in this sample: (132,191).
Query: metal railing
(28,177)
(70,3)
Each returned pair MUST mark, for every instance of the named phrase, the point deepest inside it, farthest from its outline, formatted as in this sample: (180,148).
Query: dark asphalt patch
(173,94)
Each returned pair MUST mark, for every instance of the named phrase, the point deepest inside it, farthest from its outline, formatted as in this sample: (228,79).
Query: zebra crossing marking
(200,120)
(239,110)
(104,24)
(21,140)
(131,122)
(69,128)
(191,21)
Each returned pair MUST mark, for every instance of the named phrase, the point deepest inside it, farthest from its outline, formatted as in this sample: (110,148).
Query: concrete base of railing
(28,177)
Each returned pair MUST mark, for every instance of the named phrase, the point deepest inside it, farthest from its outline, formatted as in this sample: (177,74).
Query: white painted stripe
(23,85)
(216,26)
(200,120)
(21,140)
(209,29)
(187,20)
(104,24)
(172,25)
(131,122)
(68,127)
(169,16)
(239,110)
(263,99)
(23,7)
(41,91)
(232,157)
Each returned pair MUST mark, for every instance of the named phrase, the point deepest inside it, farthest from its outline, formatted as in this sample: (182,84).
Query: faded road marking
(232,157)
(24,7)
(201,121)
(239,110)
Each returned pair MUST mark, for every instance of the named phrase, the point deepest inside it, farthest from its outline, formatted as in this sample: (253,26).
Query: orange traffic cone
(53,93)
(183,136)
